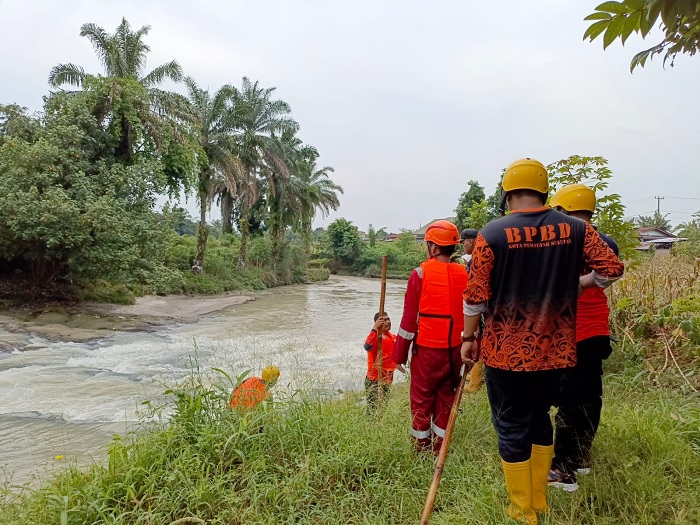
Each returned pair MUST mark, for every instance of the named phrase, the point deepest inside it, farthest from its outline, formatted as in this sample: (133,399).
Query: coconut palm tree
(123,57)
(214,124)
(319,192)
(260,120)
(658,220)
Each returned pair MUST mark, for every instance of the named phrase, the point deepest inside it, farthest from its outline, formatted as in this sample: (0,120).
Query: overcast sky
(408,100)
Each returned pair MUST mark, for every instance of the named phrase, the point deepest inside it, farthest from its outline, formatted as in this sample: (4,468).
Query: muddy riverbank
(91,321)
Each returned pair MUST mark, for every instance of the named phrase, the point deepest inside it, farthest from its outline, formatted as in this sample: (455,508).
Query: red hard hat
(442,233)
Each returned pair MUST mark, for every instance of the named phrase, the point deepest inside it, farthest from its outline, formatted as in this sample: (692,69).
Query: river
(67,399)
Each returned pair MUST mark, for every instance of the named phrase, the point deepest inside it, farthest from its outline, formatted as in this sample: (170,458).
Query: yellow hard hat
(574,197)
(526,174)
(270,374)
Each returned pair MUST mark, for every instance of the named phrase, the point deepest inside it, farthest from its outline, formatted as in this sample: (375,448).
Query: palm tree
(123,57)
(214,125)
(260,120)
(654,221)
(318,192)
(285,192)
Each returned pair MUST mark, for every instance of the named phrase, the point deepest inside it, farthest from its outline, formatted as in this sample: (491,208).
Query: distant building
(420,232)
(659,238)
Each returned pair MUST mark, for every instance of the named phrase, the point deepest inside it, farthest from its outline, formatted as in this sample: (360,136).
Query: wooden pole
(380,368)
(430,501)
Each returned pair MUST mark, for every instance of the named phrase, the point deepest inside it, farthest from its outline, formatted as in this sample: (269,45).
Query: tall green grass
(322,461)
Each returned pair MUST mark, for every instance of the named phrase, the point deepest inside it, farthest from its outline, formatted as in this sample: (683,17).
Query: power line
(685,198)
(640,200)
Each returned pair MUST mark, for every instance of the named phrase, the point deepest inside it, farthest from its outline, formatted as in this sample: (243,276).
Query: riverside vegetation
(321,460)
(79,183)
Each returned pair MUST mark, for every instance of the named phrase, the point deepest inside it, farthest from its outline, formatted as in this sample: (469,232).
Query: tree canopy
(79,181)
(609,214)
(657,220)
(679,21)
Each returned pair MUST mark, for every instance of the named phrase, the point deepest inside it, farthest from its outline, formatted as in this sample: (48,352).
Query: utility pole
(658,204)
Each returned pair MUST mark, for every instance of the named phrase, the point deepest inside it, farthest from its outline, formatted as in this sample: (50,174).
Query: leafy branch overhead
(680,22)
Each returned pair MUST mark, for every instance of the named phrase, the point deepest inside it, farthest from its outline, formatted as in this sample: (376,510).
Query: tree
(180,220)
(680,22)
(134,113)
(371,236)
(260,120)
(690,231)
(214,124)
(654,221)
(285,191)
(345,241)
(318,192)
(473,195)
(70,213)
(610,212)
(479,215)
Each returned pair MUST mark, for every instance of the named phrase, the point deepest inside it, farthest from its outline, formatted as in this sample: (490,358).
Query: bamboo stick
(380,333)
(430,500)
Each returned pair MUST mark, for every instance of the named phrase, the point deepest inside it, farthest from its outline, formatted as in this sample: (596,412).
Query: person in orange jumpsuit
(578,417)
(372,384)
(432,322)
(526,276)
(254,390)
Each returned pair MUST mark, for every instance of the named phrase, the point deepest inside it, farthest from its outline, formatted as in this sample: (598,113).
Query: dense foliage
(473,209)
(657,220)
(609,215)
(690,231)
(79,182)
(680,23)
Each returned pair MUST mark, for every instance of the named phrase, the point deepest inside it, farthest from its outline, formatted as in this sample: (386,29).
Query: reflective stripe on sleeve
(473,309)
(439,432)
(420,434)
(408,336)
(419,271)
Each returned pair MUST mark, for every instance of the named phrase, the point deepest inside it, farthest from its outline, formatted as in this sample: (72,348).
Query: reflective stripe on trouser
(434,376)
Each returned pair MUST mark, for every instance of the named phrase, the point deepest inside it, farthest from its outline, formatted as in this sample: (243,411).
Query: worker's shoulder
(610,242)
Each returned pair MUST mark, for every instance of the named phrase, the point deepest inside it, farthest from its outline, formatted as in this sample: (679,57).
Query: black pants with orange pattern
(520,403)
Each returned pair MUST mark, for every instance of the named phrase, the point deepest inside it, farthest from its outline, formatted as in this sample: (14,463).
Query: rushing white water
(68,398)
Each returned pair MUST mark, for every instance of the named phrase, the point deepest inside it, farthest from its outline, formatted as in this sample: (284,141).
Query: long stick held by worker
(380,357)
(442,456)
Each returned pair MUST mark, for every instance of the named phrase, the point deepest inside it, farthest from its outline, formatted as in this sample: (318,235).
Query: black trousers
(581,401)
(520,403)
(372,394)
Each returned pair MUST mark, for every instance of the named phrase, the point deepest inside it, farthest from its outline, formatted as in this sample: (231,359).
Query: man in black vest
(525,276)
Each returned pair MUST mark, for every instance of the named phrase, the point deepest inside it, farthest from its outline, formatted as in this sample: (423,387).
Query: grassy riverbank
(324,462)
(220,274)
(321,461)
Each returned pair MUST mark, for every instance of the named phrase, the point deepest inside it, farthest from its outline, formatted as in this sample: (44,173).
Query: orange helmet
(442,233)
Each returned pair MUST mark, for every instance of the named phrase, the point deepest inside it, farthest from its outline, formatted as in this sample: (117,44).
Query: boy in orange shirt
(372,383)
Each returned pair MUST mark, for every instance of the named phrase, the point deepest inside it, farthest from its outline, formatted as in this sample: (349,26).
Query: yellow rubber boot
(540,463)
(519,487)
